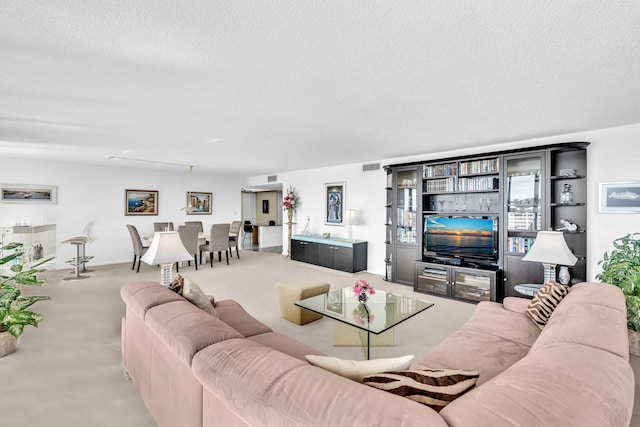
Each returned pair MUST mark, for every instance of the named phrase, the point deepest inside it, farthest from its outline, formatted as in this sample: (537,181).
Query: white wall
(614,155)
(364,192)
(94,193)
(97,193)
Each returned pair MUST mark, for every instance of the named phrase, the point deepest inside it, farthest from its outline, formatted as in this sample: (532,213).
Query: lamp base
(166,274)
(549,272)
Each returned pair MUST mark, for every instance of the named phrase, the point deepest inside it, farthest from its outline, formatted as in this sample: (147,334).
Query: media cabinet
(526,190)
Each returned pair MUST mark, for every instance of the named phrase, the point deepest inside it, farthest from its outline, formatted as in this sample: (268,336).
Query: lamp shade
(551,248)
(166,248)
(352,214)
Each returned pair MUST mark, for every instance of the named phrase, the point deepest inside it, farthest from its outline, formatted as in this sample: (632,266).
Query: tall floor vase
(289,224)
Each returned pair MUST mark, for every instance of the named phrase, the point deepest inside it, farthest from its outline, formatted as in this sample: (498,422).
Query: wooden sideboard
(338,254)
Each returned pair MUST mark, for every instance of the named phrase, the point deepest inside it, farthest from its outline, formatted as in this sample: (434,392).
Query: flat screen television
(461,236)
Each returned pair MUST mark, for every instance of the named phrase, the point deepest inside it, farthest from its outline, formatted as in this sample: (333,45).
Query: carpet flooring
(68,371)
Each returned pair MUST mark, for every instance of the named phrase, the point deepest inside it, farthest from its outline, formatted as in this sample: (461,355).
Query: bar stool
(80,260)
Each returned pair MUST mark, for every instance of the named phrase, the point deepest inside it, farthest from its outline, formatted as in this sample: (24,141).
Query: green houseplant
(14,315)
(621,268)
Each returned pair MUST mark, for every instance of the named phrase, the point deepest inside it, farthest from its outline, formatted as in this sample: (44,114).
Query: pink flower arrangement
(363,287)
(290,200)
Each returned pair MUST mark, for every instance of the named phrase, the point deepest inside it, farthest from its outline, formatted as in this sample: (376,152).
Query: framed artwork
(620,197)
(334,202)
(141,202)
(26,193)
(265,206)
(200,202)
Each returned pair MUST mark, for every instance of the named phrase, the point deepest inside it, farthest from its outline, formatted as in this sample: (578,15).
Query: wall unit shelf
(527,190)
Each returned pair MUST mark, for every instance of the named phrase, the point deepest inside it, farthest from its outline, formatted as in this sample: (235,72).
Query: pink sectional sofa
(193,369)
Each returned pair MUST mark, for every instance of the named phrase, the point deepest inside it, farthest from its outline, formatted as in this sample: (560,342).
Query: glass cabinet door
(523,202)
(406,198)
(432,279)
(472,286)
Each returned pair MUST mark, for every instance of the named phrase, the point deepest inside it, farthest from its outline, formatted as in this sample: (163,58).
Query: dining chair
(162,226)
(198,223)
(248,230)
(218,242)
(138,248)
(189,236)
(234,232)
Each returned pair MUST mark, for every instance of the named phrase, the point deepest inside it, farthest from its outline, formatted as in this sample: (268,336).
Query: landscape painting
(25,193)
(199,203)
(141,202)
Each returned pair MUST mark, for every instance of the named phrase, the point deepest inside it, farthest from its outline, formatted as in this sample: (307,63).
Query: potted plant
(14,315)
(621,267)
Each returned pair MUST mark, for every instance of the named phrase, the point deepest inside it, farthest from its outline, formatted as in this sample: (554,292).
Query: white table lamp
(550,249)
(166,248)
(352,214)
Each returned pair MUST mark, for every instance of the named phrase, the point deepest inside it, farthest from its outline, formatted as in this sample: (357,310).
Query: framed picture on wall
(199,202)
(620,197)
(140,202)
(25,193)
(265,206)
(334,203)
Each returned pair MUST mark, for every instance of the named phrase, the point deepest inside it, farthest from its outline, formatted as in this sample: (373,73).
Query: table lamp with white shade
(166,248)
(352,215)
(550,249)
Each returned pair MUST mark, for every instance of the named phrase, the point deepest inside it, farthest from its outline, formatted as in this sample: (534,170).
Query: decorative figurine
(567,195)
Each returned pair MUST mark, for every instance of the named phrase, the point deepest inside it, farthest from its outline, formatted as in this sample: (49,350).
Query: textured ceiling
(259,87)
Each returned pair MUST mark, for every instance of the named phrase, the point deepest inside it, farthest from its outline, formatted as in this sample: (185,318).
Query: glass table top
(383,310)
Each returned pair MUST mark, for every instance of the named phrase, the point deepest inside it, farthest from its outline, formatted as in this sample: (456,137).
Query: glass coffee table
(381,312)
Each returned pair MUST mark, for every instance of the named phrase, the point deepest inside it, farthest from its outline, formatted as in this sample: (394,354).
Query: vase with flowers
(362,289)
(290,202)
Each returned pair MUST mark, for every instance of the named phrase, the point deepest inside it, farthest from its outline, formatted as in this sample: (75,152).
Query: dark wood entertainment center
(522,191)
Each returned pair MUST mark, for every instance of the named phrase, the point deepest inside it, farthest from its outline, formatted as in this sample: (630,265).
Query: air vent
(272,178)
(371,167)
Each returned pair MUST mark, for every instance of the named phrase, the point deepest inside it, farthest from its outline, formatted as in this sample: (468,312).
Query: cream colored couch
(193,369)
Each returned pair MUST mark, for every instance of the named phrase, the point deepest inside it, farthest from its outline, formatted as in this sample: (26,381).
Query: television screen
(461,236)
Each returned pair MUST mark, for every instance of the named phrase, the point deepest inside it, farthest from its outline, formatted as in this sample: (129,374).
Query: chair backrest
(198,223)
(272,222)
(162,226)
(189,236)
(135,239)
(219,239)
(86,232)
(248,228)
(235,227)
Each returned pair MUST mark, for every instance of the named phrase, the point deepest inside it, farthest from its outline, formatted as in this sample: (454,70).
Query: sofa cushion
(234,315)
(544,302)
(595,322)
(489,354)
(564,384)
(192,293)
(432,387)
(357,369)
(266,387)
(495,319)
(141,296)
(186,329)
(285,345)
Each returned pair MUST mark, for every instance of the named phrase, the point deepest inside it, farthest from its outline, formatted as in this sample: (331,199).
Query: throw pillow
(192,293)
(544,302)
(357,369)
(177,284)
(432,387)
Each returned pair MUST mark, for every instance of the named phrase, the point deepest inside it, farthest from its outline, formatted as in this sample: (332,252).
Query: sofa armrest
(515,304)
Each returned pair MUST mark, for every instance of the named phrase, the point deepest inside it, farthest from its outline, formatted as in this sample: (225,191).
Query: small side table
(527,289)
